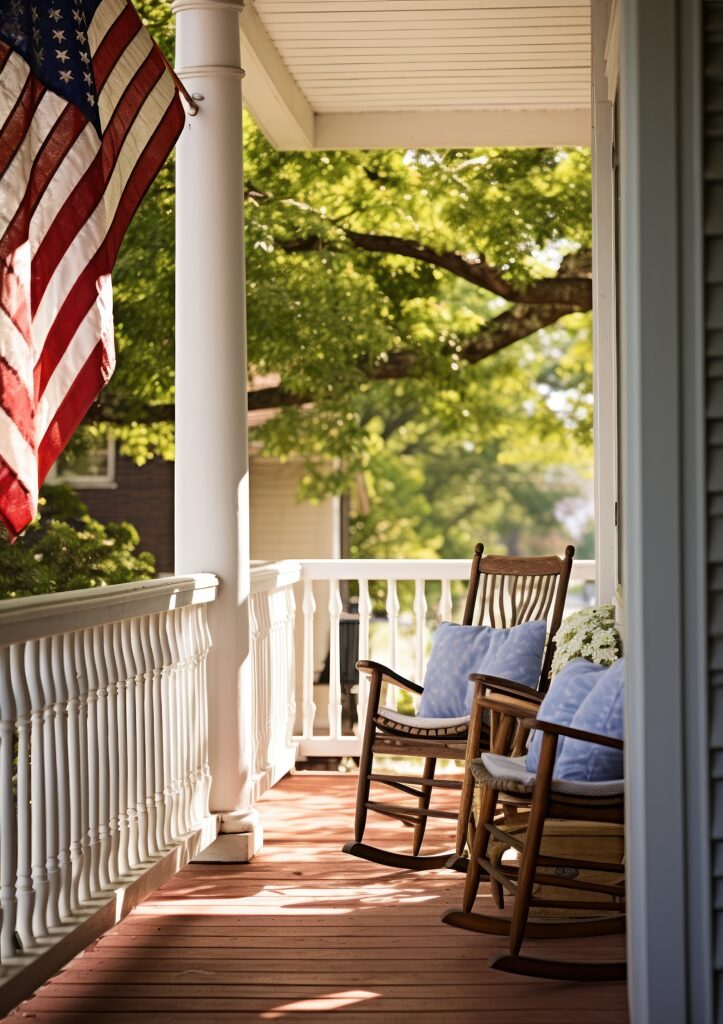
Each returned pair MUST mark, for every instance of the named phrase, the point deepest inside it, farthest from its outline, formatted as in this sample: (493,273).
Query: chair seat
(422,728)
(509,775)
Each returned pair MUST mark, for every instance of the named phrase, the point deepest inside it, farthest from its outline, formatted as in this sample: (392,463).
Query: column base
(240,838)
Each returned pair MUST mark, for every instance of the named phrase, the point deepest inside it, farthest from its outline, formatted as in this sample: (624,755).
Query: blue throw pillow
(457,651)
(567,692)
(602,712)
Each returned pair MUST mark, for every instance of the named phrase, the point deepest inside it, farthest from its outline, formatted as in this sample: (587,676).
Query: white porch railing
(103,759)
(273,619)
(414,595)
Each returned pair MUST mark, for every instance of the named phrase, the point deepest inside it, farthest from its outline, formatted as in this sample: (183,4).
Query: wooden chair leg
(533,839)
(474,738)
(366,759)
(488,802)
(465,811)
(502,738)
(430,764)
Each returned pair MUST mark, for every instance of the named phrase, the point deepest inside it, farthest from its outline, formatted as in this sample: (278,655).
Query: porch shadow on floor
(304,933)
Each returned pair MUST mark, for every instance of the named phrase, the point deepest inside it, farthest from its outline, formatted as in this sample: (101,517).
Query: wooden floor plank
(304,933)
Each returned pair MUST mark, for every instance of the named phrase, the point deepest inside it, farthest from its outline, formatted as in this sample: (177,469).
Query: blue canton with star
(53,39)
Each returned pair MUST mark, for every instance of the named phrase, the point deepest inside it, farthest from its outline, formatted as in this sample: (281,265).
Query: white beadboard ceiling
(372,73)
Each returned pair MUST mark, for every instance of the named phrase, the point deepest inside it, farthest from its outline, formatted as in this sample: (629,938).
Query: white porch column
(211,493)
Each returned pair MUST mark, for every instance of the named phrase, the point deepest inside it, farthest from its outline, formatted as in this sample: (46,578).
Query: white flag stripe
(125,70)
(12,80)
(97,326)
(90,237)
(149,118)
(18,454)
(17,174)
(62,184)
(16,351)
(104,18)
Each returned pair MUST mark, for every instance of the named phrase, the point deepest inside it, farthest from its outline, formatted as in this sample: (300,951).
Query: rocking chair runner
(503,591)
(505,778)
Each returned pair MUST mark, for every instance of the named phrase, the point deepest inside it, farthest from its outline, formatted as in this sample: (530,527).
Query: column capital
(207,5)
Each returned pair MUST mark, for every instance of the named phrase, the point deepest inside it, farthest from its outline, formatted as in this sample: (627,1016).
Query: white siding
(281,525)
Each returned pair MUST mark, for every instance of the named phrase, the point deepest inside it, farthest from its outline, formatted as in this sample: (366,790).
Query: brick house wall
(143,496)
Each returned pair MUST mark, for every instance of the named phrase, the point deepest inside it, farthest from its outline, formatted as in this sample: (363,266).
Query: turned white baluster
(259,674)
(335,610)
(121,729)
(128,669)
(197,813)
(174,727)
(154,636)
(166,693)
(420,615)
(24,890)
(181,617)
(93,762)
(50,775)
(206,646)
(8,847)
(38,847)
(291,662)
(151,816)
(79,647)
(445,602)
(392,608)
(308,608)
(112,843)
(59,683)
(70,670)
(135,651)
(365,611)
(101,715)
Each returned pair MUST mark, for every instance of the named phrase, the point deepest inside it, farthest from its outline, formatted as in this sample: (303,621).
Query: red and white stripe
(66,199)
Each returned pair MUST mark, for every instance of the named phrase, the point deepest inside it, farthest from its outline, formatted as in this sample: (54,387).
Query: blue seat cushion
(568,690)
(457,651)
(602,711)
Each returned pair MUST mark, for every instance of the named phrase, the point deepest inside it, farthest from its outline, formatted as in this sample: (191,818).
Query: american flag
(88,113)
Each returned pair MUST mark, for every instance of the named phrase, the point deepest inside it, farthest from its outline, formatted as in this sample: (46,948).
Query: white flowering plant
(590,633)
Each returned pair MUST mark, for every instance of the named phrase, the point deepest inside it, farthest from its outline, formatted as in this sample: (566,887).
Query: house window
(94,467)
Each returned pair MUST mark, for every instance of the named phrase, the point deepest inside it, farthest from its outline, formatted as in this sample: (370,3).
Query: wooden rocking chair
(504,780)
(503,591)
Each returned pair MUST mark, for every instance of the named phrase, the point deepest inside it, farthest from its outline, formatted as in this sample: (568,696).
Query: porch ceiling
(335,74)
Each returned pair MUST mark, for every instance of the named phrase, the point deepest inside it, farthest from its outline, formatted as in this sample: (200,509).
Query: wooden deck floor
(305,933)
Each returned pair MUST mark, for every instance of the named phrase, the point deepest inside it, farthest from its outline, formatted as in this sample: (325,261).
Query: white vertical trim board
(604,312)
(664,491)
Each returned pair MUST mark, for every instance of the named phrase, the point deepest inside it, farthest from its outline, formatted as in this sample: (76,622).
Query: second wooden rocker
(505,780)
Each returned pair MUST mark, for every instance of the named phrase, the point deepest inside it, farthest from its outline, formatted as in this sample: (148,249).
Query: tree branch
(572,286)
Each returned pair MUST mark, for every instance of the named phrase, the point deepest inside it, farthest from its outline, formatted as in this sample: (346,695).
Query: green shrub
(64,548)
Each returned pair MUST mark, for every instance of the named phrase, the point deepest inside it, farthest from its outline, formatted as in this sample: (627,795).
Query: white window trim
(86,481)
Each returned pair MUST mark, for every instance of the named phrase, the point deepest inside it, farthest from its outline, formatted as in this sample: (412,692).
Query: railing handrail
(267,576)
(31,618)
(407,569)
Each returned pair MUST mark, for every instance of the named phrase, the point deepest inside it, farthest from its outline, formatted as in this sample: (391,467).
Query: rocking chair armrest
(507,687)
(508,706)
(388,675)
(574,734)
